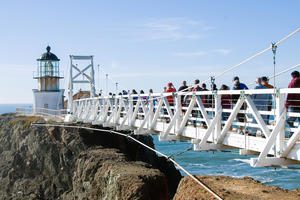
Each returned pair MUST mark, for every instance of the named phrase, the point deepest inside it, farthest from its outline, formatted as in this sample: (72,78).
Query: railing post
(74,108)
(151,109)
(179,108)
(114,110)
(88,113)
(119,109)
(130,110)
(218,107)
(280,108)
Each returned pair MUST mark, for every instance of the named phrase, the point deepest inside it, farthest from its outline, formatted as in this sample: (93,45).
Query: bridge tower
(82,75)
(48,95)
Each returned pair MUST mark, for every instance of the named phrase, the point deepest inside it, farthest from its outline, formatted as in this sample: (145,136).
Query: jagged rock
(68,163)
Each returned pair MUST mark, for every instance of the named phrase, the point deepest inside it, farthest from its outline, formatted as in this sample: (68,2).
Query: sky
(146,44)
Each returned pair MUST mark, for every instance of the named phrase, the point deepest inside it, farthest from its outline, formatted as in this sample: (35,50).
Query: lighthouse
(48,96)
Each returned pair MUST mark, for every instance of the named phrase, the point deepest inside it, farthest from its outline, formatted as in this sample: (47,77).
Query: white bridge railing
(207,118)
(61,113)
(50,112)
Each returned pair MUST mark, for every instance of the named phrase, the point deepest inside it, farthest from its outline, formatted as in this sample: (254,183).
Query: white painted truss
(204,122)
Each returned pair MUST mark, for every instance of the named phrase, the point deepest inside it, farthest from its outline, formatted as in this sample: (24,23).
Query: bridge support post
(179,108)
(130,110)
(280,108)
(151,110)
(218,108)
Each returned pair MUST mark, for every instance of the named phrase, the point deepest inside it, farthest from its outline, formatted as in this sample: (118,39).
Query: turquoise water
(228,164)
(217,163)
(11,108)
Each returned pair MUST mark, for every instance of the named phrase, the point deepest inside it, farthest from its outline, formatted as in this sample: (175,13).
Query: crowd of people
(263,102)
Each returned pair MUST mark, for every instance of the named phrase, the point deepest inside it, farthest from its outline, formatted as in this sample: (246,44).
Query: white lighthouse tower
(48,96)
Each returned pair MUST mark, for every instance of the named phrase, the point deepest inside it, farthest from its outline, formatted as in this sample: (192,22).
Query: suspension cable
(279,73)
(286,70)
(180,153)
(139,142)
(254,56)
(237,65)
(274,48)
(244,61)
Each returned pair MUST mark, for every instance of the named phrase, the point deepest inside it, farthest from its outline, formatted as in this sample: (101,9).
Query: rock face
(68,163)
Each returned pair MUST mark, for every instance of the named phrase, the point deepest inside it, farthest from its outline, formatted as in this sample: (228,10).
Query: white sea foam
(197,164)
(200,165)
(242,160)
(264,179)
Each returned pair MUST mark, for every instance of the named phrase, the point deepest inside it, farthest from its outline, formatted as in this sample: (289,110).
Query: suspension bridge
(186,116)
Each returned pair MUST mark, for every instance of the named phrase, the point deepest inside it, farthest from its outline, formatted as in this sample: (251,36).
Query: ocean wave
(264,179)
(197,164)
(241,160)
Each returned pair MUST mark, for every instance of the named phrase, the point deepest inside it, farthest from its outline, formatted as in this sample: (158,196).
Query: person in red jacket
(170,98)
(292,103)
(225,102)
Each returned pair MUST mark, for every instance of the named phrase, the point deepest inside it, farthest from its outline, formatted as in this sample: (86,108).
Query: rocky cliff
(67,163)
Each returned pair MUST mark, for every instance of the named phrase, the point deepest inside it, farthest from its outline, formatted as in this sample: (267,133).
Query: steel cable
(139,142)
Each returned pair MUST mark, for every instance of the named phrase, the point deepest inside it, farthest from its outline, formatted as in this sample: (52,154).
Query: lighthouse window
(48,68)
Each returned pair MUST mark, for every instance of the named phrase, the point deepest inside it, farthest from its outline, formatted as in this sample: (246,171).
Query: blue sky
(145,44)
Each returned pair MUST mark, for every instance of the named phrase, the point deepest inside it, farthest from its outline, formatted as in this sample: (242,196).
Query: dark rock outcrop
(70,163)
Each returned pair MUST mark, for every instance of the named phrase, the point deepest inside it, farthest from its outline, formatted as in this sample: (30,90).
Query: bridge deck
(204,119)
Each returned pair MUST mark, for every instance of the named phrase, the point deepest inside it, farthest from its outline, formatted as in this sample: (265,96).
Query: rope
(243,62)
(235,66)
(180,153)
(284,71)
(254,56)
(278,74)
(139,142)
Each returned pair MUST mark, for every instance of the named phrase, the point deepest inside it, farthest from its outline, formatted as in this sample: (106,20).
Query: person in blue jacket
(242,86)
(237,85)
(261,101)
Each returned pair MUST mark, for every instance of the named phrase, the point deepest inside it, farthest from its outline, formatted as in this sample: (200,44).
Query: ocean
(228,164)
(214,163)
(11,108)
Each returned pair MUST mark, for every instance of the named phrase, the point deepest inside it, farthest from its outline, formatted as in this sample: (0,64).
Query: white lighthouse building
(48,96)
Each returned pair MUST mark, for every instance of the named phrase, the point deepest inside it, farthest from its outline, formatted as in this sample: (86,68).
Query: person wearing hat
(236,81)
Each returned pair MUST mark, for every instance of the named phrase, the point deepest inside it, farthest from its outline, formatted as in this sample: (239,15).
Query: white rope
(139,142)
(284,71)
(278,74)
(231,68)
(287,37)
(244,61)
(254,56)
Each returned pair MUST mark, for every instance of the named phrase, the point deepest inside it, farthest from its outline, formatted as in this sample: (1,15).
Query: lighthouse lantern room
(48,96)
